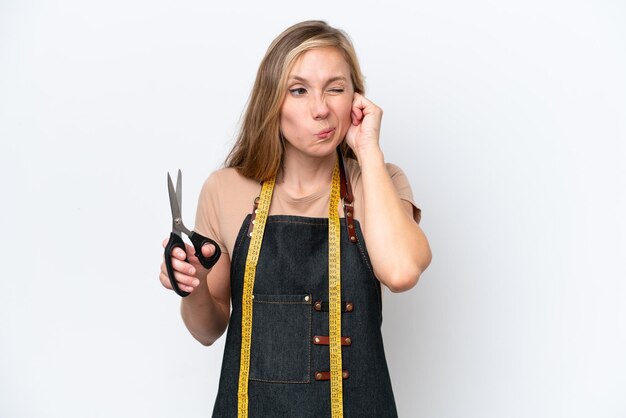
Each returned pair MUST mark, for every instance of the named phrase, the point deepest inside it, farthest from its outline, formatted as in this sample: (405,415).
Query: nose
(319,108)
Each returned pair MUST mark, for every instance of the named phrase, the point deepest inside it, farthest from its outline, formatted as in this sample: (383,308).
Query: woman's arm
(397,246)
(206,310)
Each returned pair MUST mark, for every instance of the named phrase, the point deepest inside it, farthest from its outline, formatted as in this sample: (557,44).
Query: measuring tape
(248,287)
(334,294)
(334,298)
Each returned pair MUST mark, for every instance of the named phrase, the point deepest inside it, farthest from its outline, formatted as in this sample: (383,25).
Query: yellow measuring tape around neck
(334,298)
(246,298)
(334,295)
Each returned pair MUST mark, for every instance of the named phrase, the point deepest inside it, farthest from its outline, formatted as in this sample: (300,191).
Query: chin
(326,148)
(318,148)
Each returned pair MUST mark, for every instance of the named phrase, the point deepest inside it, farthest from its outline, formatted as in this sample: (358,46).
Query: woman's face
(315,114)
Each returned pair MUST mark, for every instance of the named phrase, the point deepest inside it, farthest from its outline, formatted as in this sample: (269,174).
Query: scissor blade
(179,189)
(174,205)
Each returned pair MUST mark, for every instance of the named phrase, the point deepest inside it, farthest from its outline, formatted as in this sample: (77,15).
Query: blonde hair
(258,149)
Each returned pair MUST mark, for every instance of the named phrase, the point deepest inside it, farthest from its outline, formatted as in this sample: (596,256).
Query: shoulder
(229,192)
(227,184)
(224,179)
(353,170)
(394,170)
(225,200)
(398,178)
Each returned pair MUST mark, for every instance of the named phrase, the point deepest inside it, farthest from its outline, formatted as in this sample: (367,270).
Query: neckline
(284,196)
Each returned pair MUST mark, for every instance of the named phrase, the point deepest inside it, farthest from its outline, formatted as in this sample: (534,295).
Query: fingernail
(192,270)
(195,283)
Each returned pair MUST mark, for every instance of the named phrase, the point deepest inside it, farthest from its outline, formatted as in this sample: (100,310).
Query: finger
(189,282)
(208,249)
(186,283)
(183,279)
(184,288)
(357,113)
(165,281)
(361,101)
(357,101)
(179,254)
(180,266)
(364,105)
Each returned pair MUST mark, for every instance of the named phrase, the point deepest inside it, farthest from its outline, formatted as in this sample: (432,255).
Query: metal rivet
(317,340)
(318,376)
(256,211)
(318,306)
(352,239)
(345,375)
(348,307)
(252,296)
(349,214)
(306,298)
(348,341)
(350,226)
(253,222)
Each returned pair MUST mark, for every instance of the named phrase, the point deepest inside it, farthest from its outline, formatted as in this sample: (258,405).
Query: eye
(336,90)
(298,91)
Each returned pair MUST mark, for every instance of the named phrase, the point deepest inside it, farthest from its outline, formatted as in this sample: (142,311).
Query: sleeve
(208,211)
(401,182)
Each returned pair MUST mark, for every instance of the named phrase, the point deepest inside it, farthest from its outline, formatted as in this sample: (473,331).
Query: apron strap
(347,197)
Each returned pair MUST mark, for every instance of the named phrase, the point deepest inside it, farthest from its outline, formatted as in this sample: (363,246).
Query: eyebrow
(330,80)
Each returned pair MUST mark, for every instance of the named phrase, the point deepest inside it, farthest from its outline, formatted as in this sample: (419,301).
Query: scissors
(176,239)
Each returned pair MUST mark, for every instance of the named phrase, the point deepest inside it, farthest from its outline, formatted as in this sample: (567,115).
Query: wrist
(371,154)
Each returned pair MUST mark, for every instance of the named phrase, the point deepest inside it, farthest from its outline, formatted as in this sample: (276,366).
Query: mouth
(325,133)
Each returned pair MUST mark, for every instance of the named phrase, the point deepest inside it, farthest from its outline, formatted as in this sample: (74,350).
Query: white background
(508,117)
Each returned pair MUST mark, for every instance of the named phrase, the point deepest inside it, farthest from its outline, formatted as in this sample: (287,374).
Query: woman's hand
(364,132)
(188,274)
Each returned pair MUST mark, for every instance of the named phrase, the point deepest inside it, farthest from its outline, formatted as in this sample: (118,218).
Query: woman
(304,332)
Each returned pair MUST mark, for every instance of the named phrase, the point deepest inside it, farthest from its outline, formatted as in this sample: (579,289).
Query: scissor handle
(198,242)
(175,242)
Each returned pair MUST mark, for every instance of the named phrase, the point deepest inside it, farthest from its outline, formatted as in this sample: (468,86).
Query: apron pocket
(281,338)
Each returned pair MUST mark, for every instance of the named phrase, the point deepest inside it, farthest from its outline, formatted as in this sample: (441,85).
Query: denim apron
(290,309)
